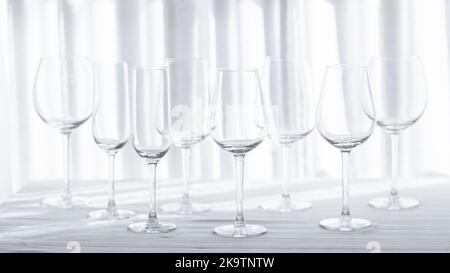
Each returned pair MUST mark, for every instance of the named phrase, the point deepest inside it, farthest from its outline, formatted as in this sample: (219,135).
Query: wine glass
(288,102)
(346,119)
(237,126)
(111,126)
(189,101)
(151,137)
(400,96)
(63,98)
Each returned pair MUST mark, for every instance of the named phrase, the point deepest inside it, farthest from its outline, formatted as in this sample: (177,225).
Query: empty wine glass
(400,96)
(289,106)
(237,125)
(346,119)
(189,100)
(63,98)
(151,137)
(111,126)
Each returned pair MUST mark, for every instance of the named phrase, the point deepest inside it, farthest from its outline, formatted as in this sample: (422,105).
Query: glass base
(158,227)
(387,203)
(239,231)
(65,203)
(336,224)
(185,208)
(285,204)
(106,214)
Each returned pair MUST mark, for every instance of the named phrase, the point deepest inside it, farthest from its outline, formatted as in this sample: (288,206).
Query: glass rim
(149,68)
(346,66)
(287,58)
(399,58)
(118,63)
(237,69)
(65,58)
(186,60)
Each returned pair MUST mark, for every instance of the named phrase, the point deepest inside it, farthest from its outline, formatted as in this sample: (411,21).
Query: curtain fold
(6,96)
(226,33)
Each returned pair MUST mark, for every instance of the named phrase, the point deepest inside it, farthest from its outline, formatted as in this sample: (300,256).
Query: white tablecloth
(24,226)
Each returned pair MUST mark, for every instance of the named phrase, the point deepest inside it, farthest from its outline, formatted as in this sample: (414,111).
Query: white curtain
(226,32)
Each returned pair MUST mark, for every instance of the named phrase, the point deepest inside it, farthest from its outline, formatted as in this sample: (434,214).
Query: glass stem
(239,162)
(67,195)
(345,215)
(111,199)
(286,176)
(185,155)
(394,166)
(152,218)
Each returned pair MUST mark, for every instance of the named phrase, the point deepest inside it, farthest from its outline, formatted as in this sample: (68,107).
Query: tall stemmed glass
(151,137)
(289,107)
(189,98)
(111,126)
(63,98)
(346,119)
(400,95)
(237,125)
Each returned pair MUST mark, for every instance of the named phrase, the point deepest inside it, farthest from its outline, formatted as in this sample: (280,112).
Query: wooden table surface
(26,227)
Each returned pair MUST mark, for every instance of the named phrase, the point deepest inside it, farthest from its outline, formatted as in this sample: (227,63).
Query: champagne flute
(151,137)
(111,126)
(400,96)
(237,126)
(63,98)
(288,102)
(189,98)
(346,119)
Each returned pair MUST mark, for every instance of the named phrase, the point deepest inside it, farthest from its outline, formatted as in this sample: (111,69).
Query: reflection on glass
(237,125)
(63,99)
(400,96)
(111,126)
(151,136)
(189,101)
(346,119)
(289,107)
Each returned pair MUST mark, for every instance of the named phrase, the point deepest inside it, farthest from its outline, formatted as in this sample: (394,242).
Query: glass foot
(65,203)
(336,224)
(106,214)
(285,204)
(185,208)
(239,231)
(151,228)
(387,203)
